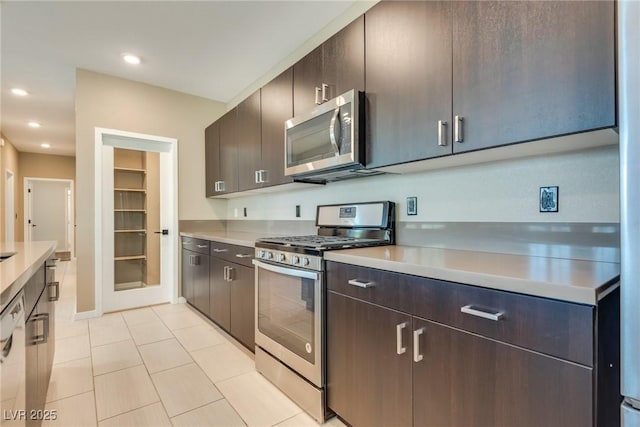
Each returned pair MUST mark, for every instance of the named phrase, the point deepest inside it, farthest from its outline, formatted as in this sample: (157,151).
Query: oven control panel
(310,262)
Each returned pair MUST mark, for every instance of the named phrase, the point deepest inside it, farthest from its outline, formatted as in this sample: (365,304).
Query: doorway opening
(48,213)
(136,220)
(10,212)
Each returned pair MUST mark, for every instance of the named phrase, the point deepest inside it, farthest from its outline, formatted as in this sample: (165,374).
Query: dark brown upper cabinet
(528,70)
(277,107)
(249,142)
(212,158)
(331,69)
(447,77)
(221,155)
(408,63)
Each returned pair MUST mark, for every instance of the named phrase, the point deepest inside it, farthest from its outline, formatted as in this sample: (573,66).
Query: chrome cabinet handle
(361,284)
(216,186)
(257,174)
(325,90)
(202,246)
(41,339)
(264,176)
(221,185)
(457,129)
(216,250)
(468,309)
(194,260)
(442,133)
(230,274)
(243,255)
(318,100)
(225,274)
(56,286)
(400,349)
(416,344)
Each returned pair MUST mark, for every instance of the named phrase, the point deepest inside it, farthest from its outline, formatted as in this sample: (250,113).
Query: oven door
(289,306)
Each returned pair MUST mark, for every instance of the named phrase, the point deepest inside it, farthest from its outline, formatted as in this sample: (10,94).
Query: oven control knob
(268,255)
(281,257)
(295,259)
(305,261)
(260,254)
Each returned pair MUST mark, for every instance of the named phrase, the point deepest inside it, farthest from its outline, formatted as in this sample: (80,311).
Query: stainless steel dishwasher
(12,363)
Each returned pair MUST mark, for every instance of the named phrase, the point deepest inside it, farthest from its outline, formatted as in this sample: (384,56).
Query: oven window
(286,312)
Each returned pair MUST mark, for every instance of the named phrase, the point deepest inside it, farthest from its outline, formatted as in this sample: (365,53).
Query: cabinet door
(408,65)
(187,276)
(529,70)
(219,294)
(201,284)
(249,145)
(277,107)
(467,380)
(343,60)
(228,152)
(242,296)
(212,157)
(307,76)
(368,383)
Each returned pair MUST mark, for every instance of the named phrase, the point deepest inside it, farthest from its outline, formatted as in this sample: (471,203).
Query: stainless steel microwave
(328,142)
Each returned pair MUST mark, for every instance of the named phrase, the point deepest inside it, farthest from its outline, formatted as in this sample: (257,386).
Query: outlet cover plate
(412,206)
(549,198)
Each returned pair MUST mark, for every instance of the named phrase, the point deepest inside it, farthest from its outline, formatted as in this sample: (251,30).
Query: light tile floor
(157,366)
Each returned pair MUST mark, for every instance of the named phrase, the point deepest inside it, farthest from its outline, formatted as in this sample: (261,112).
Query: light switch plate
(412,206)
(549,198)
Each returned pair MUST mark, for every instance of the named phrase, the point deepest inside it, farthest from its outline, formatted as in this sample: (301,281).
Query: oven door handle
(287,271)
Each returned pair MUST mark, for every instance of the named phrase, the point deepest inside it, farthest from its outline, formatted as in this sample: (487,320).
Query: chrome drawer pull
(360,284)
(399,348)
(468,309)
(220,250)
(416,344)
(202,246)
(243,255)
(56,286)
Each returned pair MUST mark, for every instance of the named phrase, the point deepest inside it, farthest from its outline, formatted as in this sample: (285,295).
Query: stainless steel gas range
(291,295)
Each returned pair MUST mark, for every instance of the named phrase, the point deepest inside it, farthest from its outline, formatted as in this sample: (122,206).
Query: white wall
(504,191)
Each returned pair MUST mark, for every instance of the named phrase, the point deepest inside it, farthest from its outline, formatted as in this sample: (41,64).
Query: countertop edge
(214,237)
(18,284)
(572,294)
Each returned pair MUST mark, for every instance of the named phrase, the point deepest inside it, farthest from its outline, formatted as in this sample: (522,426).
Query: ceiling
(213,49)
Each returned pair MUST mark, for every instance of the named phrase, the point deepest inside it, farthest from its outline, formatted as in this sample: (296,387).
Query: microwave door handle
(332,131)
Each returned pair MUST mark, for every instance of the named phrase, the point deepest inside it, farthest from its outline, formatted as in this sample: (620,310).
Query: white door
(9,215)
(138,220)
(48,211)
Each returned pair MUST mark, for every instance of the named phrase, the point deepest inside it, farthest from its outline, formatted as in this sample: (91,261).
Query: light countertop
(241,238)
(17,270)
(564,279)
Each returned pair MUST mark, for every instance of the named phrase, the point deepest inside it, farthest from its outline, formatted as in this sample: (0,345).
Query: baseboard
(83,315)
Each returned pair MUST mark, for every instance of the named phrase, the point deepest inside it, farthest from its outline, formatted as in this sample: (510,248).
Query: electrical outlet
(244,212)
(297,211)
(549,199)
(412,206)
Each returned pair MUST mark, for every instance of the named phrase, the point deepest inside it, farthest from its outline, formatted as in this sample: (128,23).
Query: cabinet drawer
(196,245)
(383,288)
(233,253)
(552,327)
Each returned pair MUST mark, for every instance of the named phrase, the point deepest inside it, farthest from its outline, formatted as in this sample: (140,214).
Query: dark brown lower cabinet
(392,361)
(369,384)
(464,379)
(219,294)
(242,304)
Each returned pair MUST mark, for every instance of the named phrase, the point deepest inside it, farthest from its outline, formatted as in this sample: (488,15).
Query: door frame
(9,202)
(169,215)
(27,210)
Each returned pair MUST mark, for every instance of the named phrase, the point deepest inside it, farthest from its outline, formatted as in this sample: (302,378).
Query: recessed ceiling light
(33,124)
(19,92)
(45,145)
(131,59)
